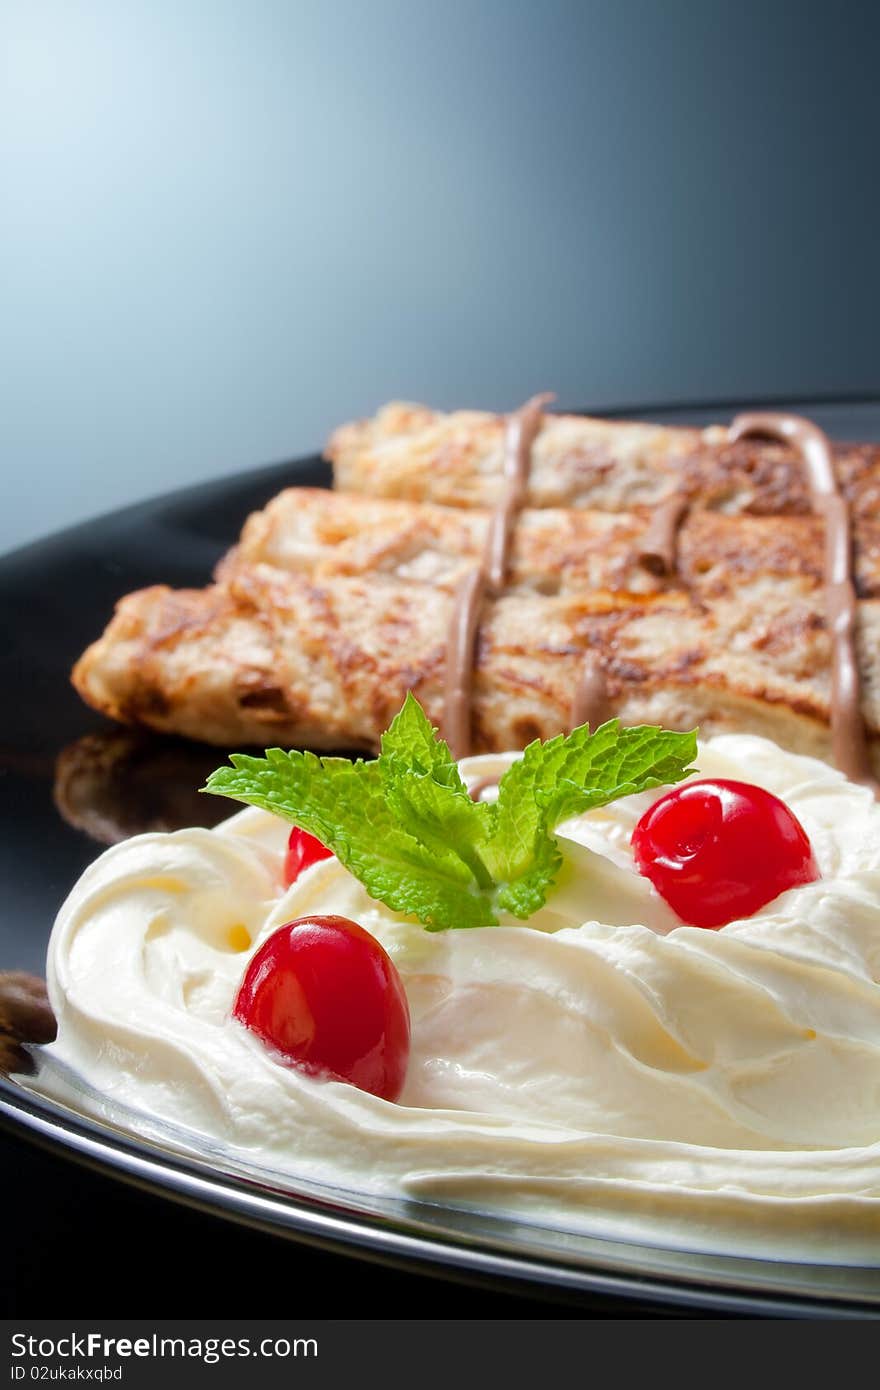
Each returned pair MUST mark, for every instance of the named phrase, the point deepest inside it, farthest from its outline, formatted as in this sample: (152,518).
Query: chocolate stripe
(590,703)
(520,433)
(456,728)
(657,552)
(521,429)
(848,738)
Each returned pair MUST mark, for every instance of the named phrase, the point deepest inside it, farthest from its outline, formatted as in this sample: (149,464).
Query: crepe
(576,461)
(333,606)
(322,534)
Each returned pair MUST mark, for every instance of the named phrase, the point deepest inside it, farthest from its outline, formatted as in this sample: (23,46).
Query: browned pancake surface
(456,459)
(333,605)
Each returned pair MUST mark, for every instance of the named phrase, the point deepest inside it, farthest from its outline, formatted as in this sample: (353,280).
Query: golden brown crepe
(310,531)
(608,465)
(317,628)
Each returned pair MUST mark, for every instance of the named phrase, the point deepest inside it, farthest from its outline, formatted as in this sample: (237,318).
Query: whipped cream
(601,1068)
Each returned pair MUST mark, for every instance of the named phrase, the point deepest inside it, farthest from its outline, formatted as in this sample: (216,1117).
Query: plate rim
(193,1181)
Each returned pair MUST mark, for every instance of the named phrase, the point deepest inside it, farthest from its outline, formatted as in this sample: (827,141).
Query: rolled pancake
(333,605)
(323,534)
(456,459)
(273,656)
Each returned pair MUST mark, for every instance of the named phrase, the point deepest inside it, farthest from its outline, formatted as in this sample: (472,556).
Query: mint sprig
(405,825)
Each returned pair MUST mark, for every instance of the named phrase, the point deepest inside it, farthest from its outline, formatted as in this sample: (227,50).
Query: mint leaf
(424,788)
(577,772)
(345,805)
(411,744)
(524,894)
(407,828)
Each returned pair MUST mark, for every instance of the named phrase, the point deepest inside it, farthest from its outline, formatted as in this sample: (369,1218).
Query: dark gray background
(229,225)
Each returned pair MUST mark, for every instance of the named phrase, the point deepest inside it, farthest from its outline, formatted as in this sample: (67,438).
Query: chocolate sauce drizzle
(590,700)
(658,549)
(848,738)
(456,724)
(590,703)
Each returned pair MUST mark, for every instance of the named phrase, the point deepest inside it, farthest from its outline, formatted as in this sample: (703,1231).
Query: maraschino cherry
(323,994)
(303,850)
(718,850)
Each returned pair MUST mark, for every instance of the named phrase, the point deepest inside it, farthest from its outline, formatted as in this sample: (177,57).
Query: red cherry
(303,850)
(717,850)
(325,995)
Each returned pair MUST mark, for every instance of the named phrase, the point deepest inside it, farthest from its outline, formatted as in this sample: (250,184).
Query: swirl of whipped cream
(603,1067)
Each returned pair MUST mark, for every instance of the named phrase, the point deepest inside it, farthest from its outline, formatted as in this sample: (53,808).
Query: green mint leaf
(405,825)
(424,788)
(577,772)
(564,777)
(441,817)
(522,896)
(411,744)
(346,806)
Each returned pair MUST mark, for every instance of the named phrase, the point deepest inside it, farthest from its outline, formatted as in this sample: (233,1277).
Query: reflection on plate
(120,783)
(124,782)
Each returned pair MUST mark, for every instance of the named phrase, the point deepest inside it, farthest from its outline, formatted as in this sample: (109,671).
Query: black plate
(72,782)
